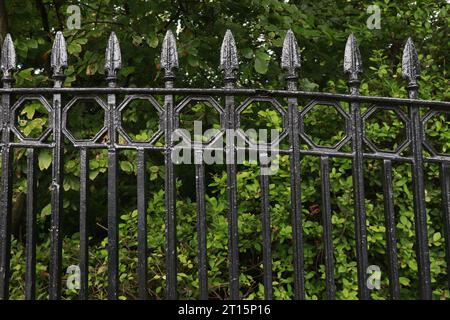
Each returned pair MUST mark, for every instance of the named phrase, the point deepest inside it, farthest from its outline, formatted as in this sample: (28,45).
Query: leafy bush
(321,28)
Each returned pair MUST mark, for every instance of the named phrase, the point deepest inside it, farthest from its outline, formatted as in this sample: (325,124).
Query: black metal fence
(12,98)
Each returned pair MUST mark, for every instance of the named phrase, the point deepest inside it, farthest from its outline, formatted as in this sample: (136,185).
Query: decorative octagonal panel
(434,123)
(394,140)
(203,109)
(31,118)
(317,131)
(87,109)
(272,116)
(144,124)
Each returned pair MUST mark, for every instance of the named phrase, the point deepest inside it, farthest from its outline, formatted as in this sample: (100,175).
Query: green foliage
(321,28)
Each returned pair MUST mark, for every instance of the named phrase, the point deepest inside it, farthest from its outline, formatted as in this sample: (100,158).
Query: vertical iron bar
(445,181)
(232,201)
(353,67)
(265,223)
(169,62)
(142,223)
(171,246)
(113,231)
(391,237)
(113,64)
(84,236)
(291,63)
(59,63)
(229,64)
(420,215)
(327,227)
(57,205)
(201,223)
(30,274)
(8,64)
(296,200)
(411,72)
(358,187)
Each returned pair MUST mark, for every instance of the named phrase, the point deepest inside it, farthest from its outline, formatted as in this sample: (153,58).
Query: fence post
(445,189)
(229,65)
(8,65)
(58,64)
(353,67)
(169,62)
(112,66)
(84,237)
(411,73)
(391,237)
(290,62)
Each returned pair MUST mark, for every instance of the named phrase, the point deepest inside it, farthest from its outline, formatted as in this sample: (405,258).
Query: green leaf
(74,48)
(126,166)
(127,71)
(44,159)
(152,41)
(404,281)
(437,236)
(46,211)
(193,61)
(261,66)
(247,53)
(137,40)
(29,110)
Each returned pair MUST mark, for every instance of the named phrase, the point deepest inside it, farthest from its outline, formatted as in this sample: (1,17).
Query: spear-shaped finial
(352,59)
(113,57)
(8,59)
(228,56)
(410,64)
(290,57)
(169,55)
(59,56)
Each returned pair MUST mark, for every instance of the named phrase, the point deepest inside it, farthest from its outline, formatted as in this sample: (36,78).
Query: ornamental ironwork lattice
(230,116)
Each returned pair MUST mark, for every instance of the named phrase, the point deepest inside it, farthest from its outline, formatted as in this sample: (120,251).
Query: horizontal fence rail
(109,101)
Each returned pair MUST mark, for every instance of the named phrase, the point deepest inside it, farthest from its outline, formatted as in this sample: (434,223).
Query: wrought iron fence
(13,98)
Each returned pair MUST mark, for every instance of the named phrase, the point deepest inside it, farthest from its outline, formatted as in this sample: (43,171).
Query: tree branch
(3,21)
(44,16)
(58,4)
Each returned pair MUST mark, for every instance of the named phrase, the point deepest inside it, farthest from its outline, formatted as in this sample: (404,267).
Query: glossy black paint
(230,114)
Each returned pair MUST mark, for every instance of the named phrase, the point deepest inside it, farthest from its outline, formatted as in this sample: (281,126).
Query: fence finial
(8,59)
(352,59)
(290,57)
(113,57)
(228,55)
(169,55)
(59,55)
(410,64)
